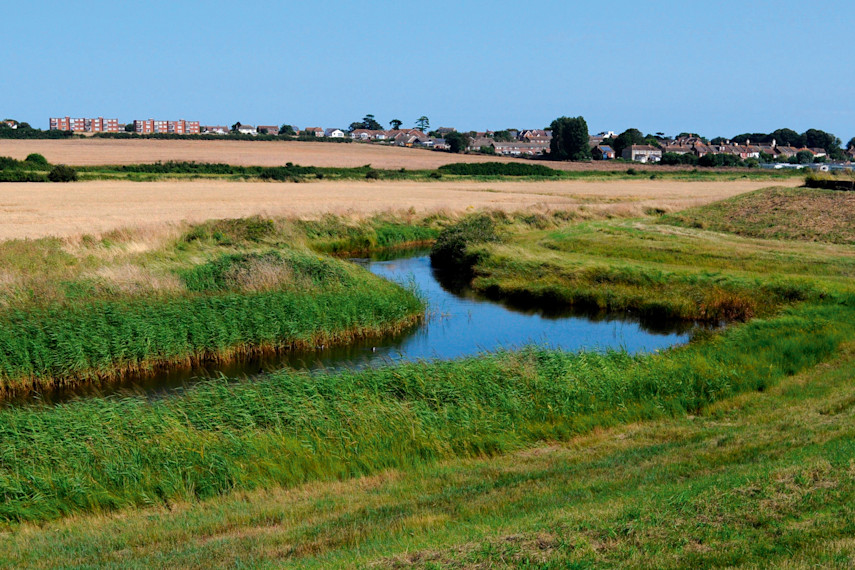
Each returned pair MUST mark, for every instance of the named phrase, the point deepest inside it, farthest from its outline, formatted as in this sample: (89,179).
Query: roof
(645,147)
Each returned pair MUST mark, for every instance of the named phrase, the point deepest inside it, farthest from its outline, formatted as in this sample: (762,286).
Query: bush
(62,173)
(372,175)
(450,248)
(36,159)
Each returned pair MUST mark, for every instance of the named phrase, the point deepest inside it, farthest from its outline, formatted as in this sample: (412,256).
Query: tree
(287,130)
(851,143)
(129,128)
(457,142)
(804,157)
(367,122)
(423,124)
(396,124)
(569,139)
(236,126)
(787,137)
(626,139)
(502,136)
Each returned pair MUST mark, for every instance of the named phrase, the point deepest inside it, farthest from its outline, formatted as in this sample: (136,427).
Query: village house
(247,130)
(517,148)
(313,131)
(268,129)
(439,144)
(603,152)
(214,130)
(334,133)
(642,153)
(11,124)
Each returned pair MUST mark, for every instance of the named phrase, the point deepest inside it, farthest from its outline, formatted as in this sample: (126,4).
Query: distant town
(784,147)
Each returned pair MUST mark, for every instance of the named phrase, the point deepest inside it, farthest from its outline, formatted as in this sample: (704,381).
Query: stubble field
(37,210)
(93,151)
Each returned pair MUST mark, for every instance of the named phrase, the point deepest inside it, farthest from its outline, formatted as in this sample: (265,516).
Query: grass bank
(644,266)
(811,214)
(93,309)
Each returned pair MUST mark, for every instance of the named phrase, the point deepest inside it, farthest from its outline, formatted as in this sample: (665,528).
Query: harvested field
(93,151)
(36,210)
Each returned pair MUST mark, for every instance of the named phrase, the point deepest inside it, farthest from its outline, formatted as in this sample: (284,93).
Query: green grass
(74,312)
(653,269)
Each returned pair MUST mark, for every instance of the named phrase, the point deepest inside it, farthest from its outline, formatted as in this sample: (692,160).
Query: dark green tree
(457,142)
(396,124)
(626,139)
(502,136)
(569,139)
(851,143)
(287,130)
(423,124)
(62,173)
(129,128)
(787,137)
(804,157)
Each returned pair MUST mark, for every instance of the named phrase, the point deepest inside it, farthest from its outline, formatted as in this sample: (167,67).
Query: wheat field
(95,151)
(37,210)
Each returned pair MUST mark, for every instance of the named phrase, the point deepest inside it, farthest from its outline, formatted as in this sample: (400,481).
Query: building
(11,124)
(334,133)
(214,130)
(180,127)
(642,153)
(80,125)
(267,129)
(247,130)
(313,131)
(603,152)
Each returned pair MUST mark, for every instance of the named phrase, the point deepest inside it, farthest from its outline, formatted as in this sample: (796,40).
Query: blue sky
(717,68)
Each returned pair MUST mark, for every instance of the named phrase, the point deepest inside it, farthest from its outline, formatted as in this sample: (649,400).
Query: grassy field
(733,450)
(94,308)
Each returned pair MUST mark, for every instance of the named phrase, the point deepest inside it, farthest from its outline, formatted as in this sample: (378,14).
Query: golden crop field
(36,210)
(94,151)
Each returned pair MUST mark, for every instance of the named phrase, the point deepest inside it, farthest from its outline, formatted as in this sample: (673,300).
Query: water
(458,323)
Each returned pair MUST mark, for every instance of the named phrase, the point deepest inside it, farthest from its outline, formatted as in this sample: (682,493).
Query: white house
(247,130)
(334,133)
(642,153)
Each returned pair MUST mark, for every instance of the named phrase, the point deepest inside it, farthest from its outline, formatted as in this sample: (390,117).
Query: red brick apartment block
(180,127)
(97,125)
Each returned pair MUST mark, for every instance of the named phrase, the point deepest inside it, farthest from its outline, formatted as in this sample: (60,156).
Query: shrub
(62,173)
(372,175)
(36,159)
(451,246)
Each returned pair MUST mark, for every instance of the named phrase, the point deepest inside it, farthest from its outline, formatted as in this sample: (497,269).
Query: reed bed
(102,454)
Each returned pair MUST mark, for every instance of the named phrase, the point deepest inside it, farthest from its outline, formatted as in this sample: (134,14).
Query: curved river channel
(458,323)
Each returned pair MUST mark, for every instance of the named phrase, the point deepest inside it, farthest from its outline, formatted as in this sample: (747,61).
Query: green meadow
(733,450)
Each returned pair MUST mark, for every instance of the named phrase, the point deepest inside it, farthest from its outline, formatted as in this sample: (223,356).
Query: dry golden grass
(37,210)
(93,151)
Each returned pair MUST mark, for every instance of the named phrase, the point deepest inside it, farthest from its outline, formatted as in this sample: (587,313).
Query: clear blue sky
(717,68)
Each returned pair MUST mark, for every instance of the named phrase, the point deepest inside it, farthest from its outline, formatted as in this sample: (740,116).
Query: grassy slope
(779,213)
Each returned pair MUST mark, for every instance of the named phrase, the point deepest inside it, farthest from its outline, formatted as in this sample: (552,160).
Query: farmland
(37,210)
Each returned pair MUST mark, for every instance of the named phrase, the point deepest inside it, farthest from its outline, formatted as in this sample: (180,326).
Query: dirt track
(36,210)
